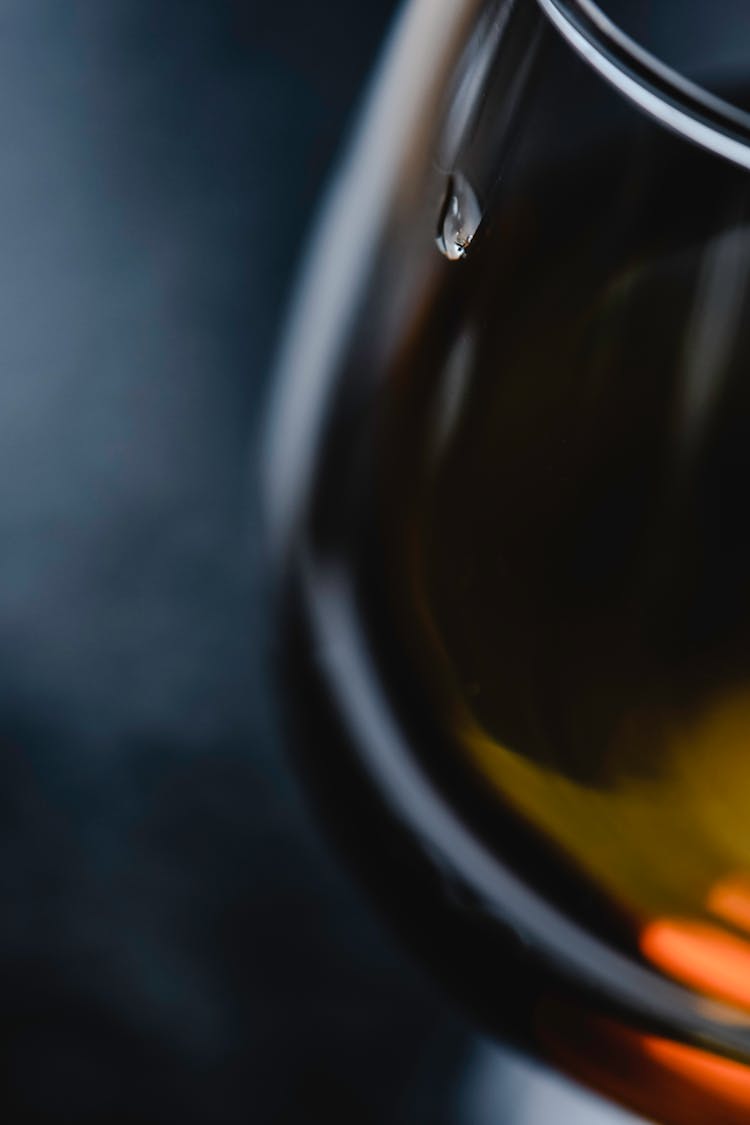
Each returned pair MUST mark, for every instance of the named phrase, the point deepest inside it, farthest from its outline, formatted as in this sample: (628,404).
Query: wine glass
(507,477)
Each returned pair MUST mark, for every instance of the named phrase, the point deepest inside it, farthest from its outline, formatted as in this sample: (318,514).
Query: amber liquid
(531,491)
(565,513)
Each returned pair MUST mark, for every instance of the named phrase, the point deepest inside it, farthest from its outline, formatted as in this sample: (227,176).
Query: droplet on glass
(459,219)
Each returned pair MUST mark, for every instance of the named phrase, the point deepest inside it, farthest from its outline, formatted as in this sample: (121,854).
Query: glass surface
(508,480)
(707,41)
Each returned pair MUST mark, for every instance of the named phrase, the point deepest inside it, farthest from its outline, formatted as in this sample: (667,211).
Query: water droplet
(459,219)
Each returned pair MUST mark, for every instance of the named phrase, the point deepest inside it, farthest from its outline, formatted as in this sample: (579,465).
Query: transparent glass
(507,480)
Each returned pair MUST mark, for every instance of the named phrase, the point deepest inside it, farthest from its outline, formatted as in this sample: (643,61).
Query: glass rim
(407,94)
(681,105)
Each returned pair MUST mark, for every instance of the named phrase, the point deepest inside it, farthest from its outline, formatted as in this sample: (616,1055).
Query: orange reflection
(729,899)
(700,955)
(671,1082)
(725,1080)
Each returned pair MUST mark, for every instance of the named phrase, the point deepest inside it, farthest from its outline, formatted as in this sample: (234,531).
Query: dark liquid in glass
(541,504)
(564,460)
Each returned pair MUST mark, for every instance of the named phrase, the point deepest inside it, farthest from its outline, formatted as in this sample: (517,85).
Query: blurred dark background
(176,943)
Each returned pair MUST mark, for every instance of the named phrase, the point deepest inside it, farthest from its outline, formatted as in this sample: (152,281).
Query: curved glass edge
(399,101)
(309,354)
(680,105)
(575,953)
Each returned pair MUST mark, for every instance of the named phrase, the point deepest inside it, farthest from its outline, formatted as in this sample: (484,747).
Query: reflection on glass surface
(516,543)
(501,1086)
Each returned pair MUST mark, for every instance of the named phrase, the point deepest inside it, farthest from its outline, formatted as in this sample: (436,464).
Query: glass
(507,477)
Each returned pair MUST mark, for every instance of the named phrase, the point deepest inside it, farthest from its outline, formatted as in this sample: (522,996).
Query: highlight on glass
(508,470)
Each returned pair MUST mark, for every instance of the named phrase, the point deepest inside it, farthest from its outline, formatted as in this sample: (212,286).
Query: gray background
(175,942)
